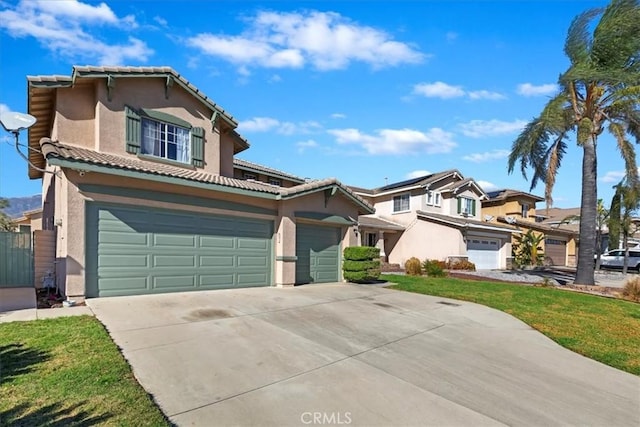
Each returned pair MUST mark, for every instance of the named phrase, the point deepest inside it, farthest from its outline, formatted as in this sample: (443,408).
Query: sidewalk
(43,313)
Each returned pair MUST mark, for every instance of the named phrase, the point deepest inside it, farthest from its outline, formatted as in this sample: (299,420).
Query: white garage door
(484,253)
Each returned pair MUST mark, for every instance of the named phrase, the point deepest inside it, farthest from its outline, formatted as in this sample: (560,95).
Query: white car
(615,259)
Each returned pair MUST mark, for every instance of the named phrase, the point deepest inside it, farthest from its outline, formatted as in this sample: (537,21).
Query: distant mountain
(17,205)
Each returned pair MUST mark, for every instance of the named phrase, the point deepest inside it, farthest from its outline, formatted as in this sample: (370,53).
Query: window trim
(249,175)
(275,181)
(462,204)
(165,141)
(399,197)
(437,199)
(524,212)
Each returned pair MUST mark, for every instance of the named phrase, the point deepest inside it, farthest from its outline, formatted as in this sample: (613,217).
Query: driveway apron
(340,354)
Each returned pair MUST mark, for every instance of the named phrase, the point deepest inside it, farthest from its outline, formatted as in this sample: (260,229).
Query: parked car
(614,259)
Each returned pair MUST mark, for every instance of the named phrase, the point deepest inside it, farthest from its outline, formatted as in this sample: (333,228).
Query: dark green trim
(286,258)
(112,170)
(323,217)
(197,147)
(366,208)
(91,249)
(152,158)
(51,85)
(165,117)
(181,199)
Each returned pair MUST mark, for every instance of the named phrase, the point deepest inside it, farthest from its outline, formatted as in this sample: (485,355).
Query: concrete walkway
(43,313)
(344,354)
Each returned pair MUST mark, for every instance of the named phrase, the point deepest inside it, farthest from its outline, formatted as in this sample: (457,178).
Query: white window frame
(275,181)
(466,205)
(247,175)
(437,198)
(158,136)
(400,198)
(429,198)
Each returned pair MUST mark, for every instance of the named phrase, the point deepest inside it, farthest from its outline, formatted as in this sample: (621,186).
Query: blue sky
(368,92)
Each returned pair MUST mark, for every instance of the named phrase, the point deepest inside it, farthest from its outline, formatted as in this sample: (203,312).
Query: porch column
(285,248)
(380,245)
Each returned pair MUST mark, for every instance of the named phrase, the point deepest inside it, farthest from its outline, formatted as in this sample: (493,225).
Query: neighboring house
(29,221)
(518,208)
(141,184)
(437,216)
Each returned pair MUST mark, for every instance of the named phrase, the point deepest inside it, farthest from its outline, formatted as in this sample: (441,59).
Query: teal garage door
(318,254)
(134,251)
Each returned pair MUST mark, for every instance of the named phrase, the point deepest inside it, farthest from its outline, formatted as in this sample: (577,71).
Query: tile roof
(55,149)
(377,222)
(267,170)
(505,193)
(538,226)
(421,180)
(51,149)
(466,222)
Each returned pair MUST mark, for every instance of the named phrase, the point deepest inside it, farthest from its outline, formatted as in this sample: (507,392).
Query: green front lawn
(67,371)
(607,330)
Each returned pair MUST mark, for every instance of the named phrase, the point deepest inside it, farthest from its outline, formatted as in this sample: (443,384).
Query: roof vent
(510,220)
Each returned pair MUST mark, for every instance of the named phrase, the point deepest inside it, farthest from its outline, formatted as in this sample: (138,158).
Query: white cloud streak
(487,186)
(397,141)
(486,156)
(528,89)
(417,174)
(269,124)
(444,90)
(613,176)
(323,40)
(485,128)
(65,28)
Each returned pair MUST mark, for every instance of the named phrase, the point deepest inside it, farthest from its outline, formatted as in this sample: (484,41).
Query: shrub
(631,289)
(361,264)
(462,264)
(413,267)
(361,253)
(434,268)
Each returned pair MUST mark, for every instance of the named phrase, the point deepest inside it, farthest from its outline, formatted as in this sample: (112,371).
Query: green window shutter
(473,207)
(459,204)
(197,147)
(133,130)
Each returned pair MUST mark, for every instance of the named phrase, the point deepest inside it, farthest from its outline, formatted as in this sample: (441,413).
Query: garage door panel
(123,261)
(318,254)
(484,253)
(161,251)
(174,261)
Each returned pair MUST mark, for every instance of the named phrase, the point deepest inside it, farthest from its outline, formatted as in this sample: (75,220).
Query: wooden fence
(16,260)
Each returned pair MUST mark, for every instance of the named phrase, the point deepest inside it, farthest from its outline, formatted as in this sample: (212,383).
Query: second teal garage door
(133,250)
(318,254)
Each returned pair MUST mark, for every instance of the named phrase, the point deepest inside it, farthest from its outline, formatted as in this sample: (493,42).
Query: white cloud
(528,89)
(613,176)
(417,174)
(303,145)
(275,79)
(325,40)
(487,186)
(485,94)
(65,28)
(4,108)
(161,21)
(451,36)
(484,128)
(269,124)
(486,156)
(397,141)
(438,90)
(446,91)
(338,116)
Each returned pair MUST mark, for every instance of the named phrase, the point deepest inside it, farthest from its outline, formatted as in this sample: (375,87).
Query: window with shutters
(161,135)
(466,206)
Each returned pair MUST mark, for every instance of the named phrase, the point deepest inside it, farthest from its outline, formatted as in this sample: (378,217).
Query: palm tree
(600,89)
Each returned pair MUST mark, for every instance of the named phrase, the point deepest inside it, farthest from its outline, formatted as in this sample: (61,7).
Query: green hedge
(361,253)
(361,264)
(349,265)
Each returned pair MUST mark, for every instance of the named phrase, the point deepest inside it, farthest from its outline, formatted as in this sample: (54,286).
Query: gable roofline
(41,97)
(331,185)
(465,223)
(507,193)
(425,181)
(261,169)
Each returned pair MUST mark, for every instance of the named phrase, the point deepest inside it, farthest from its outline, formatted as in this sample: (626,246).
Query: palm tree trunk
(588,214)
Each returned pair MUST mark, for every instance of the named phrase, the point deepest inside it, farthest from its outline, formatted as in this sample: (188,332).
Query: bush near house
(413,267)
(361,264)
(461,264)
(631,289)
(434,268)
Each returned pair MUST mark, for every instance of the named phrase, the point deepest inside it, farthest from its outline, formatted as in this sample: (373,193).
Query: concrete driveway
(343,354)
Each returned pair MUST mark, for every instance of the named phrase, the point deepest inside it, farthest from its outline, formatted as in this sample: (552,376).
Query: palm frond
(616,38)
(627,151)
(578,43)
(553,156)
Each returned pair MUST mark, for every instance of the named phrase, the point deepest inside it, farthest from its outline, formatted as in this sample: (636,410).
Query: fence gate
(16,260)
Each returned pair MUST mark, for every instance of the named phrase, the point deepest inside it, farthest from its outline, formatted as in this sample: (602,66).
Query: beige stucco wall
(510,207)
(86,117)
(424,240)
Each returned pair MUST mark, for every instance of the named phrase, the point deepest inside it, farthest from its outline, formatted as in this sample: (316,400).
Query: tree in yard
(600,89)
(5,222)
(614,220)
(629,198)
(527,249)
